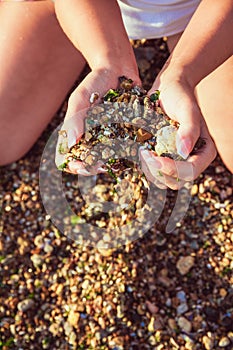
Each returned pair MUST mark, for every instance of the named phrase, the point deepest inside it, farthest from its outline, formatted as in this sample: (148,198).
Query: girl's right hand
(99,81)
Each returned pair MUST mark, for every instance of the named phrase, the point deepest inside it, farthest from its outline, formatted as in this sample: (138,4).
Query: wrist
(175,70)
(113,69)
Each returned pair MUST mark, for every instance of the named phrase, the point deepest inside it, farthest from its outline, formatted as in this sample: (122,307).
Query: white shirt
(151,19)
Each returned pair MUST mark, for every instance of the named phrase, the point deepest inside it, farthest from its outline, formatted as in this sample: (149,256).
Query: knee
(226,153)
(228,163)
(10,152)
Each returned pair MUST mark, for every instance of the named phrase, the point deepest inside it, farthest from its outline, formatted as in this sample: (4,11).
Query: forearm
(206,43)
(96,29)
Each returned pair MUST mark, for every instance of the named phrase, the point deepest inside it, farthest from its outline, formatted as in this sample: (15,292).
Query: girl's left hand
(178,101)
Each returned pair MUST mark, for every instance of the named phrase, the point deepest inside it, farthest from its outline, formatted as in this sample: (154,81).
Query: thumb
(189,130)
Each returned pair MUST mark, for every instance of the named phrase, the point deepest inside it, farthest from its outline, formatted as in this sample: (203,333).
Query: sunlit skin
(46,49)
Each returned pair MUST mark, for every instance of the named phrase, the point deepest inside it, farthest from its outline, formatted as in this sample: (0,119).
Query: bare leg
(214,94)
(39,66)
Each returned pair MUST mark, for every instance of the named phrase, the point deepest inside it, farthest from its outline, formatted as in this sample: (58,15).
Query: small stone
(230,335)
(48,248)
(68,328)
(72,338)
(23,245)
(189,344)
(37,260)
(208,342)
(184,264)
(172,324)
(73,318)
(25,305)
(39,241)
(120,311)
(224,342)
(101,322)
(103,249)
(151,325)
(223,292)
(182,308)
(85,284)
(184,324)
(54,329)
(194,190)
(181,296)
(151,307)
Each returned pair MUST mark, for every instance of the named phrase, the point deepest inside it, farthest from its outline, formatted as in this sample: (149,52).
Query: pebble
(67,328)
(25,305)
(151,325)
(184,264)
(54,329)
(48,248)
(37,260)
(224,342)
(39,241)
(172,324)
(104,251)
(73,318)
(184,324)
(208,342)
(23,245)
(182,308)
(151,307)
(230,335)
(181,296)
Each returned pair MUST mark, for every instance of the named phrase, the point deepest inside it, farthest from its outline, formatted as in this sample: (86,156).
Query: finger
(189,129)
(153,178)
(74,127)
(185,170)
(80,98)
(174,169)
(172,181)
(77,167)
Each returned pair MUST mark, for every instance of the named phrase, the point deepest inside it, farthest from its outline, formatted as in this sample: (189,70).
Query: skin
(188,76)
(197,77)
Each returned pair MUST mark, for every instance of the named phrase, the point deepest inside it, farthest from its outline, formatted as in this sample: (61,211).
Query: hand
(177,98)
(100,81)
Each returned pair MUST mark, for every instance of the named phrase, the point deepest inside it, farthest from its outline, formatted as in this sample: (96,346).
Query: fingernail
(71,138)
(183,148)
(146,155)
(83,172)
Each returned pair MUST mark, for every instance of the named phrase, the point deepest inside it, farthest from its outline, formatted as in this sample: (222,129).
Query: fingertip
(77,167)
(71,138)
(185,141)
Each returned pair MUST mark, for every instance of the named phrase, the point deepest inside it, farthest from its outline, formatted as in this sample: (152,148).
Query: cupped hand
(177,98)
(99,81)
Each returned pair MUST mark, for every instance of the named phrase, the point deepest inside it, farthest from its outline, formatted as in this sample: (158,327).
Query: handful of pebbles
(125,119)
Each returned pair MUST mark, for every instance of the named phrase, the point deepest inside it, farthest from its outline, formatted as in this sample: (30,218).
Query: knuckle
(172,172)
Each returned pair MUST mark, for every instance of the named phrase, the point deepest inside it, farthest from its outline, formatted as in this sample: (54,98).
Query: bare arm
(205,44)
(207,41)
(97,31)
